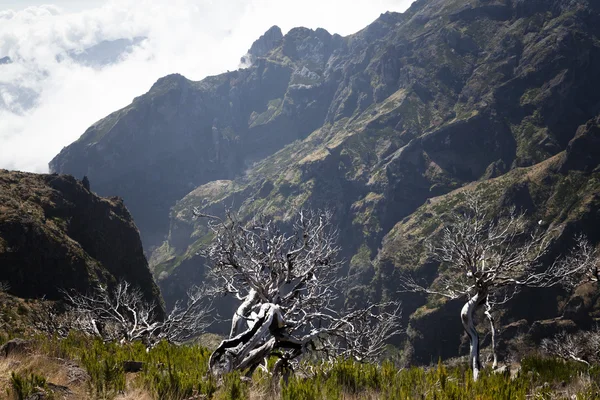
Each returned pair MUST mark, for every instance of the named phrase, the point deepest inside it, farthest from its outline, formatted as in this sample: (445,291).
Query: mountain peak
(263,45)
(168,82)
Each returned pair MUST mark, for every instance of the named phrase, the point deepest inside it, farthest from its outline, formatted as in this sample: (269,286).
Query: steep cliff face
(182,134)
(263,45)
(413,107)
(55,234)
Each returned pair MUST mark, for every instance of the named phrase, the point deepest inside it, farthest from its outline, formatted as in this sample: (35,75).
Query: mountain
(21,94)
(562,193)
(105,53)
(182,134)
(56,234)
(380,126)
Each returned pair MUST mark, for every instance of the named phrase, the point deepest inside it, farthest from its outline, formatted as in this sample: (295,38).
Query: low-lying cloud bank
(50,91)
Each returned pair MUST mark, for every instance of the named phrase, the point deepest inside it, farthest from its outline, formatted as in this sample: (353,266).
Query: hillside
(380,126)
(56,234)
(562,193)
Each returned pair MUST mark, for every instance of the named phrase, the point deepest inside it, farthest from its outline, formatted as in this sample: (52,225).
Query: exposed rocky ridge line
(182,134)
(263,45)
(55,234)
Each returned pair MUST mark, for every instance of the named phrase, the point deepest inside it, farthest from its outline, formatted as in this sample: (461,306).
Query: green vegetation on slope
(176,373)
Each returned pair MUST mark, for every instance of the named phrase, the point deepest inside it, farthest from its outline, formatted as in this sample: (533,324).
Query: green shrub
(104,366)
(169,372)
(24,386)
(550,369)
(233,388)
(174,372)
(439,383)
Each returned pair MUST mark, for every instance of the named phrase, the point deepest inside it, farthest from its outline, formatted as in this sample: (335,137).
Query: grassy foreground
(84,368)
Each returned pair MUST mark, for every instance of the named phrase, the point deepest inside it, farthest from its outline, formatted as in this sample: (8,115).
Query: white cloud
(193,37)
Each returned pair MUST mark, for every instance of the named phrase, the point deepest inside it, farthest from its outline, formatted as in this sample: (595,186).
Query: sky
(47,100)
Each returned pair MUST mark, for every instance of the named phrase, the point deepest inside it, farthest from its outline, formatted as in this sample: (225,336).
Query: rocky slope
(562,192)
(182,134)
(413,107)
(56,234)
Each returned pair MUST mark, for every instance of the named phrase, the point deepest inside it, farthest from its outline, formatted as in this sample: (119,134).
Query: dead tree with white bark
(288,286)
(485,259)
(56,319)
(582,266)
(122,314)
(583,346)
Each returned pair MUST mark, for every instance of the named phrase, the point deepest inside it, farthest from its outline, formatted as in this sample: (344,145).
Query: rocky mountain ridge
(263,45)
(449,94)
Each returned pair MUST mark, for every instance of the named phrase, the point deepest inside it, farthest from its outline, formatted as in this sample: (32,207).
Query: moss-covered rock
(55,234)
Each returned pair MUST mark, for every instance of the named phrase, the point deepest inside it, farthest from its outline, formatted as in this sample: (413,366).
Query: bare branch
(490,258)
(187,321)
(122,314)
(583,346)
(288,285)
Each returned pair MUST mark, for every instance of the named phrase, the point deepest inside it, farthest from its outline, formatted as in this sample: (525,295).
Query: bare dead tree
(118,314)
(583,346)
(580,265)
(122,314)
(288,285)
(566,346)
(52,319)
(486,260)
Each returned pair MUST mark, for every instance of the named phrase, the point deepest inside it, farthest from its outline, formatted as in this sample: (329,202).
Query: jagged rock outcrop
(55,234)
(263,45)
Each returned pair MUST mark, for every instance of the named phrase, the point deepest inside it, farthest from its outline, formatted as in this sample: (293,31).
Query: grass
(537,378)
(171,372)
(23,386)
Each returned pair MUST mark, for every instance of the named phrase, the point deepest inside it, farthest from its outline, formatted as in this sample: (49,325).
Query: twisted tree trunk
(240,317)
(467,317)
(490,317)
(248,348)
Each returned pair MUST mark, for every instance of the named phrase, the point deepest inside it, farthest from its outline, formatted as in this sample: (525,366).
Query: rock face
(383,126)
(15,346)
(182,134)
(263,45)
(55,234)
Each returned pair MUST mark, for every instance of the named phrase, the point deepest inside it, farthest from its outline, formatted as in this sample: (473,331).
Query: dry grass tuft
(135,394)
